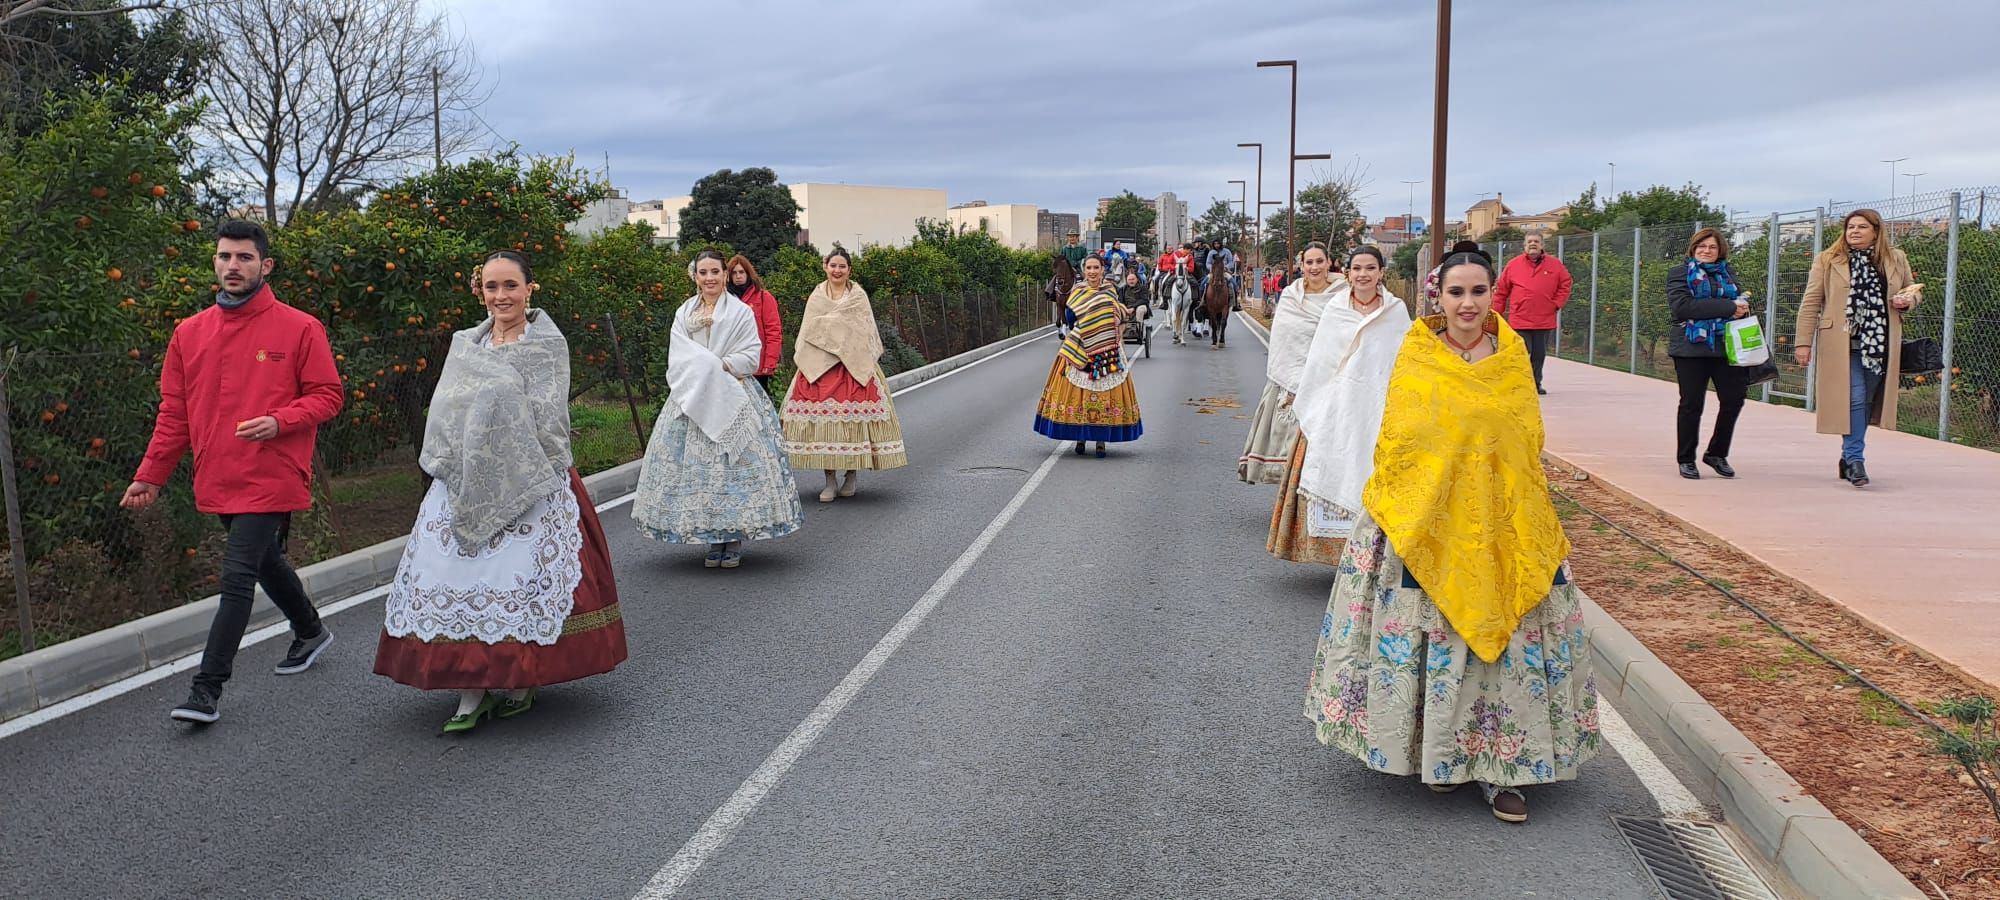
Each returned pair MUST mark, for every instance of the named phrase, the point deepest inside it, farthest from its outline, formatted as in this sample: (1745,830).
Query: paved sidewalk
(1916,553)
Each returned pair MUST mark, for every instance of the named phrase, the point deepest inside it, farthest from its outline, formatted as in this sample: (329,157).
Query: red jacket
(770,327)
(225,366)
(1529,294)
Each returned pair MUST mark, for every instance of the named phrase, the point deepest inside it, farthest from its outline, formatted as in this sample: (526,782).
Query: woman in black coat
(1703,297)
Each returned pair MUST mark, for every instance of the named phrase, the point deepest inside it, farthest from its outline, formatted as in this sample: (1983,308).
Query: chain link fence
(74,427)
(1617,315)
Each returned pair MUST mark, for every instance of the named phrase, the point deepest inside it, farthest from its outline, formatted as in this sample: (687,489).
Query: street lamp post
(1291,168)
(1439,119)
(1913,176)
(1410,211)
(1892,182)
(1257,220)
(1611,191)
(1242,203)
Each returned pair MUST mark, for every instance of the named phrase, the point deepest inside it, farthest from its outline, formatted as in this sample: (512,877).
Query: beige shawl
(839,331)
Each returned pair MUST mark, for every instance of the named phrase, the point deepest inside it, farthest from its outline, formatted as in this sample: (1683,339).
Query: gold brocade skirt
(1288,539)
(1071,412)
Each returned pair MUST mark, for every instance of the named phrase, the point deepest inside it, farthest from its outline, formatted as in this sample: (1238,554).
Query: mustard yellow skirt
(1073,412)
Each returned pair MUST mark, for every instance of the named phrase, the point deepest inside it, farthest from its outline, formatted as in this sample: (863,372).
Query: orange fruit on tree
(159,190)
(389,266)
(100,192)
(173,252)
(191,225)
(48,416)
(52,478)
(135,178)
(83,221)
(115,274)
(133,354)
(96,443)
(62,407)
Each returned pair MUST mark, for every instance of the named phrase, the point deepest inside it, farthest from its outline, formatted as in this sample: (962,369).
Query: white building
(602,215)
(1012,224)
(855,216)
(664,215)
(1170,221)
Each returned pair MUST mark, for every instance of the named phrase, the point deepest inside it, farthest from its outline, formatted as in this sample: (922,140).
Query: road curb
(1794,834)
(56,673)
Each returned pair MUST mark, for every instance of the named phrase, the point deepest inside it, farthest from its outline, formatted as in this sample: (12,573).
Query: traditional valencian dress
(1342,385)
(1088,396)
(1453,646)
(506,580)
(1273,428)
(838,414)
(715,470)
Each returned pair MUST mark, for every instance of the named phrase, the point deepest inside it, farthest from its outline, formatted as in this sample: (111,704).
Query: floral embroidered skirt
(1103,410)
(690,494)
(536,605)
(1273,433)
(1397,688)
(1288,539)
(839,423)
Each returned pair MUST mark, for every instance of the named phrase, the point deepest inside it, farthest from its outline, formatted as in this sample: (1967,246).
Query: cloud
(1057,104)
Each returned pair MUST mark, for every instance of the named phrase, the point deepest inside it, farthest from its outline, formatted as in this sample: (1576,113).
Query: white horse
(1181,294)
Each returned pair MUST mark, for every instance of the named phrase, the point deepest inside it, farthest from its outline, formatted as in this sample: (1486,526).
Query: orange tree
(98,224)
(618,275)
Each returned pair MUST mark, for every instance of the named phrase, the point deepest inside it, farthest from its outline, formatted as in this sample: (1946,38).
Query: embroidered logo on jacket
(270,356)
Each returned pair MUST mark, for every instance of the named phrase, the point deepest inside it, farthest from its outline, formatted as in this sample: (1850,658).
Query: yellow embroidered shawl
(1458,485)
(1094,341)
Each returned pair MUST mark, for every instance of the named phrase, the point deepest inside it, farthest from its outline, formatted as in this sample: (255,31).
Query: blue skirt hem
(1110,434)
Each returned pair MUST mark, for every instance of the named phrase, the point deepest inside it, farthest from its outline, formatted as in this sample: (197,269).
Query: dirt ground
(1849,746)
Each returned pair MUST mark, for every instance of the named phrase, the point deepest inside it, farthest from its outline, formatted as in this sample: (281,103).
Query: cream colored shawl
(699,386)
(839,331)
(1341,395)
(1292,329)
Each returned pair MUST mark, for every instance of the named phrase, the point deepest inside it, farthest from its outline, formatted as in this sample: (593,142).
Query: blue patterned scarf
(1708,280)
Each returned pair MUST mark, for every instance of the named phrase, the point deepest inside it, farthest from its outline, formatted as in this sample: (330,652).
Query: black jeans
(1538,347)
(254,555)
(1694,373)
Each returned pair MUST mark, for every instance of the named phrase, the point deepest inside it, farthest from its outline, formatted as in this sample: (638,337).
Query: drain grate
(1691,860)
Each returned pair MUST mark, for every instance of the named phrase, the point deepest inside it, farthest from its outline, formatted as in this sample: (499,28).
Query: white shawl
(1341,395)
(1292,329)
(699,387)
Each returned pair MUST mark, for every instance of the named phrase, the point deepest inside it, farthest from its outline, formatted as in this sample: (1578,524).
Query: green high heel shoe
(511,708)
(467,721)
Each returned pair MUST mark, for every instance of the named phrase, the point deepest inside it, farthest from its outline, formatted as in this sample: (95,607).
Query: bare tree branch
(315,98)
(22,9)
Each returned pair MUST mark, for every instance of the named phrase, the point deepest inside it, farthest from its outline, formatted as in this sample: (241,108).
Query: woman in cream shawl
(838,414)
(1267,452)
(715,471)
(1088,396)
(1453,646)
(505,584)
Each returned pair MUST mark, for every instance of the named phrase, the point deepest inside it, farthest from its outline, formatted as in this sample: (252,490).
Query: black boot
(1689,471)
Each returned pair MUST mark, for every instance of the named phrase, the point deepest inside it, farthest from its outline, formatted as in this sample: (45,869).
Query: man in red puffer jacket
(245,385)
(1530,292)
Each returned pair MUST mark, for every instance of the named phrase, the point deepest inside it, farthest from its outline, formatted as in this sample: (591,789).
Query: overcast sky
(1769,104)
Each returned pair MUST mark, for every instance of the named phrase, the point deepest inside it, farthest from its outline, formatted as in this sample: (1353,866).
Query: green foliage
(1504,233)
(1973,742)
(1404,262)
(748,209)
(1656,205)
(62,55)
(1222,223)
(1128,211)
(1328,211)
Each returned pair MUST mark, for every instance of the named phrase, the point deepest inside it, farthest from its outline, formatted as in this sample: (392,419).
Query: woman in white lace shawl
(716,471)
(1274,431)
(505,584)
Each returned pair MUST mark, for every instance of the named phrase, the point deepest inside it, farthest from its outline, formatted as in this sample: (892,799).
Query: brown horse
(1216,302)
(1059,285)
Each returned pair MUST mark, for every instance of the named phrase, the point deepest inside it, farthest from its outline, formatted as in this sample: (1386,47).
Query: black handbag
(1761,373)
(1922,356)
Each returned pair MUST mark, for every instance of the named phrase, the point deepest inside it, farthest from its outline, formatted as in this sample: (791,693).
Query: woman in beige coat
(1852,319)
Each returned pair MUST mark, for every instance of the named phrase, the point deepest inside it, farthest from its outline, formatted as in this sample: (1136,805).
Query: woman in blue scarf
(1703,295)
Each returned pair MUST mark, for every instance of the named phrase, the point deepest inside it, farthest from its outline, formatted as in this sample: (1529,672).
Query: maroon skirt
(592,642)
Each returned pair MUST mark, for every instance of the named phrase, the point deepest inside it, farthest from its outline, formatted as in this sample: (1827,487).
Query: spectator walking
(1852,320)
(1531,291)
(1702,296)
(748,287)
(245,385)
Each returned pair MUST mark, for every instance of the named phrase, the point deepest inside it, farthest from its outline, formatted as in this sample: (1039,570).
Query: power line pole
(437,118)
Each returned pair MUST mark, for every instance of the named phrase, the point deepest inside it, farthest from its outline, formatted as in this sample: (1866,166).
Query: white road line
(1673,796)
(967,366)
(132,683)
(1256,334)
(730,816)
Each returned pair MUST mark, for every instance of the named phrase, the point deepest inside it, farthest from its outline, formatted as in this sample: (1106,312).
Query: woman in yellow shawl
(1088,396)
(838,414)
(1453,646)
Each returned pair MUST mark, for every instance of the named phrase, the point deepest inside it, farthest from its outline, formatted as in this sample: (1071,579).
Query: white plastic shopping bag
(1743,342)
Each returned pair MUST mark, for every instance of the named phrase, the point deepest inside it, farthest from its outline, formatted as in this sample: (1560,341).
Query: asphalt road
(1106,702)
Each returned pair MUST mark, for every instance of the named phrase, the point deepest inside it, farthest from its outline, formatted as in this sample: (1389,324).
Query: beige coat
(1823,327)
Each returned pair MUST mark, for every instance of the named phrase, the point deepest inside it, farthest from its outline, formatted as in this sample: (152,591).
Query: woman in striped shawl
(1088,396)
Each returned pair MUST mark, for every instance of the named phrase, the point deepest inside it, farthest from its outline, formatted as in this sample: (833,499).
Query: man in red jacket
(1531,290)
(246,384)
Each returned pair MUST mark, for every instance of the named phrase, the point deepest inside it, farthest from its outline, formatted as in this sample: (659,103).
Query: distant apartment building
(664,215)
(1170,220)
(1016,225)
(1052,229)
(856,216)
(602,215)
(1486,215)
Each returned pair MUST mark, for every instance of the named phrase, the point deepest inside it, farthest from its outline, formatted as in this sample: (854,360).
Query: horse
(1056,291)
(1216,302)
(1181,297)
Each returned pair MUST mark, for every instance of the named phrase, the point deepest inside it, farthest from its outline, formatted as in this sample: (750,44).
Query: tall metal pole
(1439,117)
(1892,183)
(1410,211)
(1632,365)
(1950,309)
(18,548)
(437,118)
(1257,218)
(1771,285)
(1292,162)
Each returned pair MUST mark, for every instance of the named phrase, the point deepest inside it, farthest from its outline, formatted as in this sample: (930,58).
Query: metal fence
(1617,315)
(74,426)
